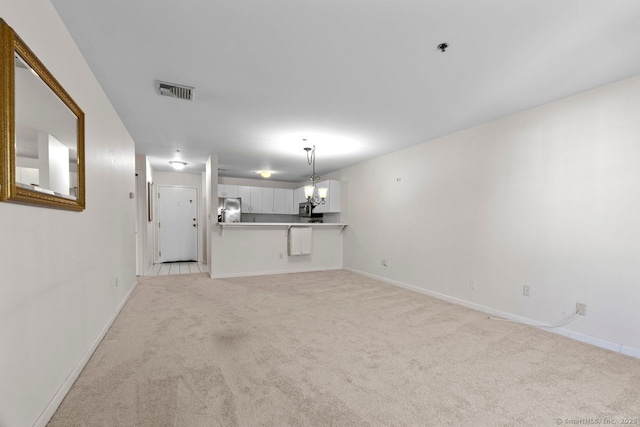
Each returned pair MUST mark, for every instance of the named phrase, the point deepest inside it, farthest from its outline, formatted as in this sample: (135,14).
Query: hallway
(173,268)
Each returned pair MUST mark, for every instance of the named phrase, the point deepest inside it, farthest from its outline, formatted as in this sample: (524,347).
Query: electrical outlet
(581,309)
(384,262)
(472,285)
(280,255)
(525,290)
(117,282)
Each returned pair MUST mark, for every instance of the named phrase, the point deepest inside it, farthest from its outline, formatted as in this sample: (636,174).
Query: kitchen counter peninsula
(257,248)
(224,225)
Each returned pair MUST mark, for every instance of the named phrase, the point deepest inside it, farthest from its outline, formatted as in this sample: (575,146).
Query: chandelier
(315,196)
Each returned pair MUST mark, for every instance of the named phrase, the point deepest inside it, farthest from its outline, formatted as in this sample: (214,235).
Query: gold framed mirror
(42,131)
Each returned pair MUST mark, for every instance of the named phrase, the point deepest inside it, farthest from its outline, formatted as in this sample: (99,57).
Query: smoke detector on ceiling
(175,90)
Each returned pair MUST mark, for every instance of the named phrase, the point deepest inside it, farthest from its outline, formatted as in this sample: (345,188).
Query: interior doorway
(177,223)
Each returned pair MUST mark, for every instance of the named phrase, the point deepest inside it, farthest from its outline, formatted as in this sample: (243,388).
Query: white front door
(177,223)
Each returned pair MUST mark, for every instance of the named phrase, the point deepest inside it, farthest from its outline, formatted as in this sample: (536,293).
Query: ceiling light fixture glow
(334,145)
(178,165)
(265,174)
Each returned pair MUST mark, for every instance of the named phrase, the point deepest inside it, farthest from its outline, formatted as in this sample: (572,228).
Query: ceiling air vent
(175,91)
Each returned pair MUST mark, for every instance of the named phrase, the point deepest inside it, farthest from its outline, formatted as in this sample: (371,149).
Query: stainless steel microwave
(305,210)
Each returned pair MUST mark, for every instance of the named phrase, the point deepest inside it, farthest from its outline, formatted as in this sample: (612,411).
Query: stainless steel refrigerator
(229,210)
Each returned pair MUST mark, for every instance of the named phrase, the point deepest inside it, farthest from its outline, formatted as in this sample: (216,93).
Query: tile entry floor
(171,268)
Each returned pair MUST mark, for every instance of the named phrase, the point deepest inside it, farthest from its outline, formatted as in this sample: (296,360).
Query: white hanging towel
(299,241)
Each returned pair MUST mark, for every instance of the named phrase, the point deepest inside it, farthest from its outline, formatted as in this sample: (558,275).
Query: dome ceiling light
(178,165)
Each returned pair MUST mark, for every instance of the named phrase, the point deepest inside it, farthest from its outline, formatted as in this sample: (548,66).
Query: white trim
(608,345)
(57,398)
(141,220)
(629,351)
(270,272)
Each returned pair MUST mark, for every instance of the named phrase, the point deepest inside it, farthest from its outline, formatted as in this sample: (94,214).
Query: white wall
(262,249)
(211,203)
(58,269)
(548,198)
(178,178)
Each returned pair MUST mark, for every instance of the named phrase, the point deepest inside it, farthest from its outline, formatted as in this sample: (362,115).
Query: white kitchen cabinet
(251,199)
(256,200)
(332,202)
(290,207)
(268,200)
(299,196)
(283,201)
(244,193)
(335,200)
(278,201)
(227,190)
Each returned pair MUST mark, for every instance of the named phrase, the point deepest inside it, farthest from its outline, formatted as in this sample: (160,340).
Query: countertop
(272,225)
(281,224)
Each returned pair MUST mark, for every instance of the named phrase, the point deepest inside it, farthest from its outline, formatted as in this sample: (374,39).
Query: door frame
(139,238)
(156,221)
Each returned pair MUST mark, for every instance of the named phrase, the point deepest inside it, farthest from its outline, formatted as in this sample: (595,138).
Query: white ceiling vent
(175,90)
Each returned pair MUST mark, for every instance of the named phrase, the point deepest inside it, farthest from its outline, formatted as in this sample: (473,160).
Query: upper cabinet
(290,207)
(281,201)
(252,199)
(227,190)
(278,201)
(298,196)
(245,195)
(332,202)
(256,200)
(267,200)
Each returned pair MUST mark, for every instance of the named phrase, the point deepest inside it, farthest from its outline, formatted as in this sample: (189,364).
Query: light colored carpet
(334,349)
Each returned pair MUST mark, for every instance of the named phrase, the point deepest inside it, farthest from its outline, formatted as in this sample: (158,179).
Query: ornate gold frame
(10,43)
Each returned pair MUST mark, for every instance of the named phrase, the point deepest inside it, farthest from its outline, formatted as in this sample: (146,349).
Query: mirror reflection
(46,137)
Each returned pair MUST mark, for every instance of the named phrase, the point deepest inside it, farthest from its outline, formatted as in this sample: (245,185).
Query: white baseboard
(51,408)
(270,272)
(630,351)
(618,348)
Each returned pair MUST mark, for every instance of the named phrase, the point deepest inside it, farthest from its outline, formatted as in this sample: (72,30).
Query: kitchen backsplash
(327,218)
(248,217)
